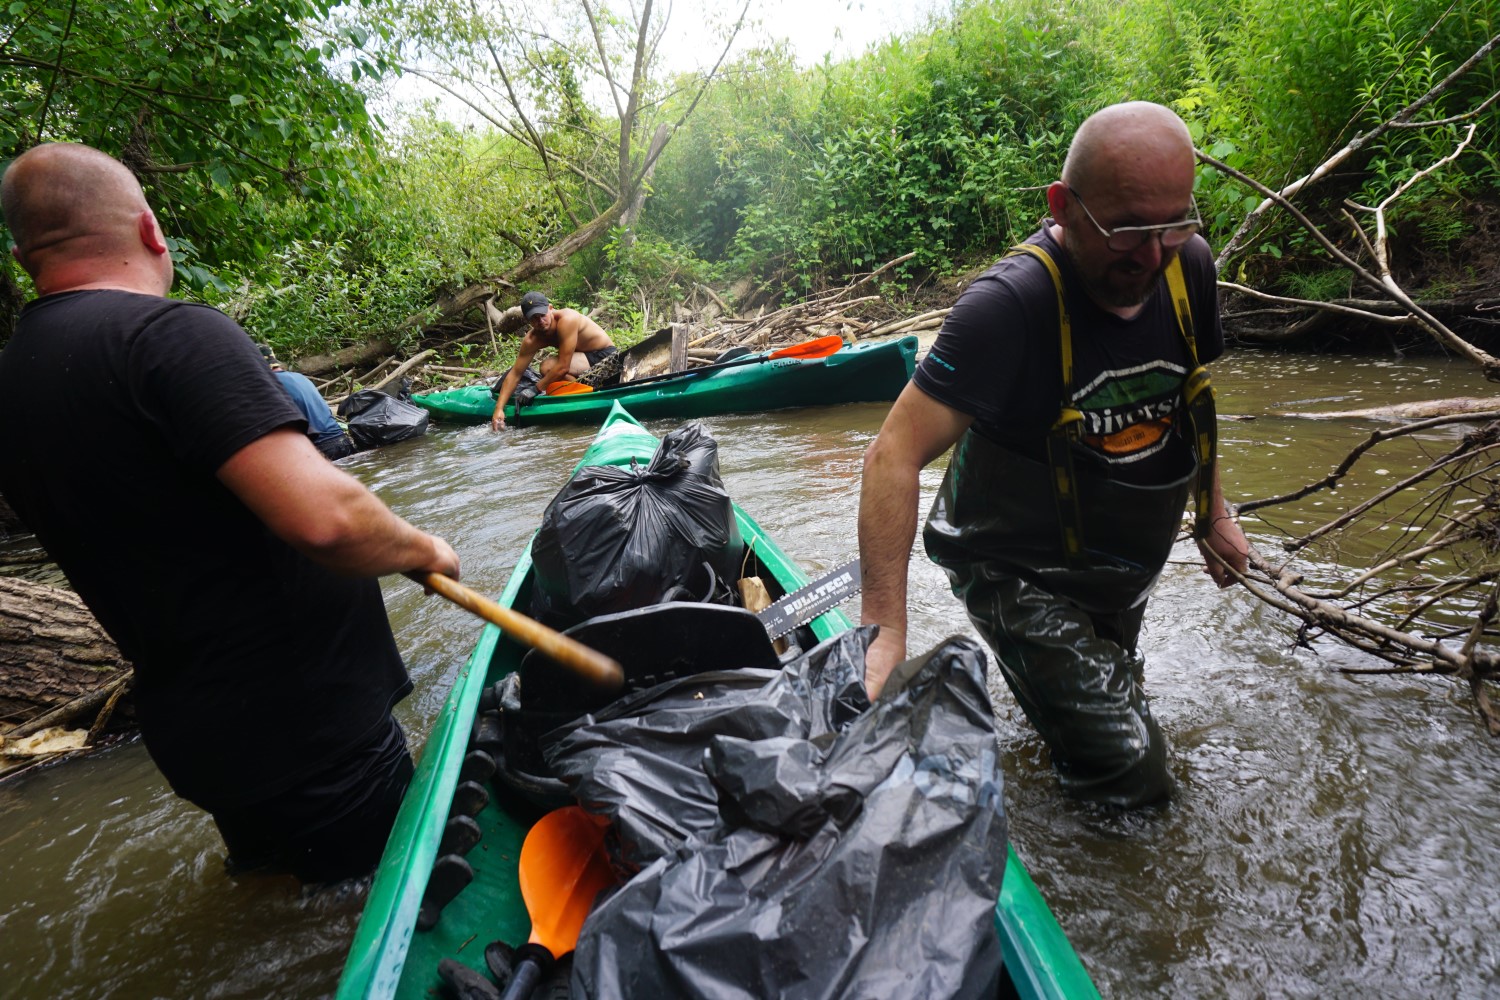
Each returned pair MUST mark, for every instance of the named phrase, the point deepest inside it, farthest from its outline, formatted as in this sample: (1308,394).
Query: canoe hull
(862,373)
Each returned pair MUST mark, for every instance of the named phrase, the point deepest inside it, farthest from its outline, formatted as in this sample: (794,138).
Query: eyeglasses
(1126,239)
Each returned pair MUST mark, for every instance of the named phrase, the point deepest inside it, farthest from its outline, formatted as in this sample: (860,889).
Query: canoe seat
(653,644)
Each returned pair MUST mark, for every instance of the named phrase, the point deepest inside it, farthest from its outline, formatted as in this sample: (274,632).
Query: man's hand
(497,422)
(444,560)
(1225,542)
(888,649)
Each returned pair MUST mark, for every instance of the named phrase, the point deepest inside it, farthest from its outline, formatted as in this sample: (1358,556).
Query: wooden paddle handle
(572,654)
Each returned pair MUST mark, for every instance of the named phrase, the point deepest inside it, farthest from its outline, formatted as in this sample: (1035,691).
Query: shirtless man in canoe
(580,344)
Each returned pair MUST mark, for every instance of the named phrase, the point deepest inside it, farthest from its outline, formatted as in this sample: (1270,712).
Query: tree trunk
(632,211)
(52,651)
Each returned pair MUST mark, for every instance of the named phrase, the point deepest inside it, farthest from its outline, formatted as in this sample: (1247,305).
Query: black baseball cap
(534,304)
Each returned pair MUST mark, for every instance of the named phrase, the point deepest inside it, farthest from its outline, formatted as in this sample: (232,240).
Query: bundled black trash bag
(525,390)
(802,848)
(617,538)
(375,419)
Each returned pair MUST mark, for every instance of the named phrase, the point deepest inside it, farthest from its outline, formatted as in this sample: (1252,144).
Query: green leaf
(235,100)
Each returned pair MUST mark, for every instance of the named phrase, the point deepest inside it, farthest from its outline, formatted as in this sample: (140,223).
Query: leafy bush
(938,144)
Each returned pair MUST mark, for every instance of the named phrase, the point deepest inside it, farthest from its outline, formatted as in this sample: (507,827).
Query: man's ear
(1057,201)
(152,238)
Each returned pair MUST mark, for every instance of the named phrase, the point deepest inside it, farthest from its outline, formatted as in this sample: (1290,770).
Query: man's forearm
(507,387)
(361,536)
(887,527)
(559,371)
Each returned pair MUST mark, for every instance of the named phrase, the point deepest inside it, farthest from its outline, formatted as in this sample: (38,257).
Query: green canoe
(391,958)
(863,373)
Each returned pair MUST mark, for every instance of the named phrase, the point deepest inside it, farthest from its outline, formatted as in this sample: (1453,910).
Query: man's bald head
(1125,140)
(1130,165)
(79,217)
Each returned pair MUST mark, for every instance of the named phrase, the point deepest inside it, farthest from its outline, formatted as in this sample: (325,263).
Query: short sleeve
(978,365)
(199,377)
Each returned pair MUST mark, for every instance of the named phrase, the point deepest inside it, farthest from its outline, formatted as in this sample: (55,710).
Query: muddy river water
(1333,835)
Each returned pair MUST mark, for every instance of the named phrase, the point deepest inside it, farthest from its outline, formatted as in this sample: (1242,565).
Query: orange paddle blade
(563,867)
(819,347)
(567,388)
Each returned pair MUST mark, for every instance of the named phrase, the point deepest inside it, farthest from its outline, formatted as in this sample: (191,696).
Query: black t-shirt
(998,358)
(254,666)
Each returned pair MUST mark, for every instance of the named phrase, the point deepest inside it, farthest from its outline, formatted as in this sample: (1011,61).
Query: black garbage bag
(375,419)
(653,645)
(526,387)
(616,538)
(640,760)
(799,852)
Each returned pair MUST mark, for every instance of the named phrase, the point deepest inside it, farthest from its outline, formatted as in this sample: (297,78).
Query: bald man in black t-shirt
(1069,377)
(148,445)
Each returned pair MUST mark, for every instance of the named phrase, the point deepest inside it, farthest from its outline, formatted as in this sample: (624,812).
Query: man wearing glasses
(1069,375)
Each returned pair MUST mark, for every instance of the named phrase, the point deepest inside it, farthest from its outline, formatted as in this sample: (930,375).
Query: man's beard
(1119,284)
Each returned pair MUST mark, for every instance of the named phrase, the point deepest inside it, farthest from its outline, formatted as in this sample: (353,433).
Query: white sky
(838,28)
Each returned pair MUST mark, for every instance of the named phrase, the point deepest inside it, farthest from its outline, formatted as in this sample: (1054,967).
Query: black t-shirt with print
(998,358)
(254,666)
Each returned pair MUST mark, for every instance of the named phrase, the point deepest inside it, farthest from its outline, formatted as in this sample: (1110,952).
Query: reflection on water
(1330,839)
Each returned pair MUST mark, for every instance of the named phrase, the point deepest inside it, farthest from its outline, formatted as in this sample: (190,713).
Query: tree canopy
(208,102)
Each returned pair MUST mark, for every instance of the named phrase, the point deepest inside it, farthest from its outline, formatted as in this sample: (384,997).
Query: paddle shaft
(527,975)
(577,657)
(816,351)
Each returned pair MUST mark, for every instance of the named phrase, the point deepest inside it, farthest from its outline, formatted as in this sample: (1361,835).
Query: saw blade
(806,603)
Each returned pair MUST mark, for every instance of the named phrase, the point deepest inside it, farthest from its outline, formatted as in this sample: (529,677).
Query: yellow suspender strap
(1069,419)
(1198,395)
(1177,286)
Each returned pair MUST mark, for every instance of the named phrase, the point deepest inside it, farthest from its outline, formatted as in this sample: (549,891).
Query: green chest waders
(1054,561)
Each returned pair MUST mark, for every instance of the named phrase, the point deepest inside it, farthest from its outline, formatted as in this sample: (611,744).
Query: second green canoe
(862,373)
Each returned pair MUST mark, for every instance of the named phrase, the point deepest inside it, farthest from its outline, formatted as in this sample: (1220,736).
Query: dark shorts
(331,827)
(594,357)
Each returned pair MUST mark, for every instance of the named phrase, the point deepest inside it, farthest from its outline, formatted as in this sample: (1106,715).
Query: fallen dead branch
(1407,574)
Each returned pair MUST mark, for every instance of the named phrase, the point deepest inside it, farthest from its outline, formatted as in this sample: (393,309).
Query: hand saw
(806,603)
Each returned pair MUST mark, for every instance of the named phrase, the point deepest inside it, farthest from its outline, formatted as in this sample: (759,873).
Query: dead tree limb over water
(1410,575)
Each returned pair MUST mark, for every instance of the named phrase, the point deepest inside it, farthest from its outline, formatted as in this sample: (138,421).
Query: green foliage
(287,209)
(426,222)
(216,104)
(319,294)
(632,280)
(938,144)
(1316,286)
(1441,229)
(932,146)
